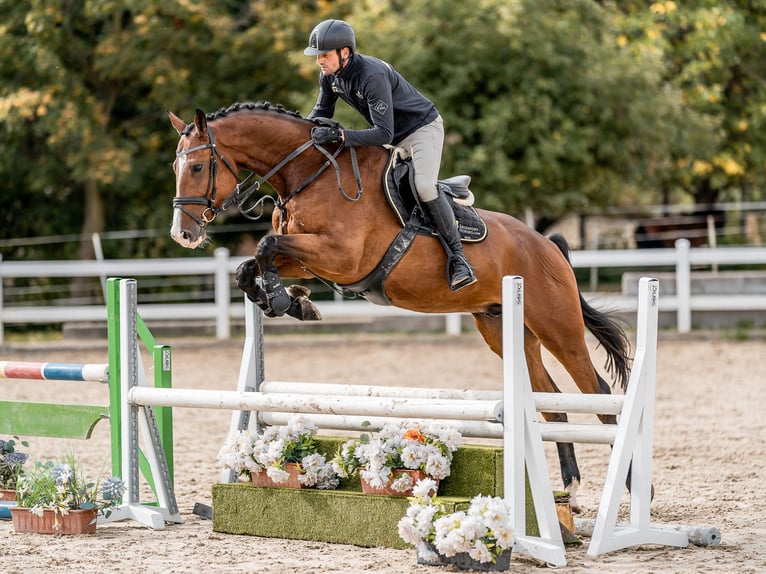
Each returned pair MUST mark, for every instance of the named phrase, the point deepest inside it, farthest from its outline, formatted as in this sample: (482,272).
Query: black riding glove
(325,135)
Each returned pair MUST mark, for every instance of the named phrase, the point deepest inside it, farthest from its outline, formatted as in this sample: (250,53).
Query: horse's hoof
(245,276)
(574,506)
(302,307)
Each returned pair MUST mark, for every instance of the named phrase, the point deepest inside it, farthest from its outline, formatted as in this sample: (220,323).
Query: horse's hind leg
(491,329)
(543,382)
(573,354)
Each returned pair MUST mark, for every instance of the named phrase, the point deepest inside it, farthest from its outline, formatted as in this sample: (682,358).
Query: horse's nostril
(186,235)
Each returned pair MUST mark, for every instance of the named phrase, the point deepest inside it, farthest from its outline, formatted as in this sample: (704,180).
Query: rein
(241,194)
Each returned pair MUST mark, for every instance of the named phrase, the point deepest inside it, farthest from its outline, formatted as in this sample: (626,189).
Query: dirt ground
(709,455)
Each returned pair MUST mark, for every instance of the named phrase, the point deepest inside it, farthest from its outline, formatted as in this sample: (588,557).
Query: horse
(324,230)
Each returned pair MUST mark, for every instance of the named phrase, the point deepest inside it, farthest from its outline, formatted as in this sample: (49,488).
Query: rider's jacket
(389,103)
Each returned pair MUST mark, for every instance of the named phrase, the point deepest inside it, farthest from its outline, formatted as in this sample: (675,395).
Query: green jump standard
(346,515)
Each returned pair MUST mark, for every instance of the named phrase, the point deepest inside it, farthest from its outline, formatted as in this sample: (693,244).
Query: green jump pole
(161,359)
(113,337)
(162,363)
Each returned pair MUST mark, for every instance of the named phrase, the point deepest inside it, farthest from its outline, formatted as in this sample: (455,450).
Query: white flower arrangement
(274,448)
(483,531)
(404,445)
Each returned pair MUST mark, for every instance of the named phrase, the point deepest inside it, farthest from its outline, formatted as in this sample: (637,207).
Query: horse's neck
(258,142)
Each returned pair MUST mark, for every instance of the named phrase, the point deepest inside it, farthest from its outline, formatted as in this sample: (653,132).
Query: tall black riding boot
(459,271)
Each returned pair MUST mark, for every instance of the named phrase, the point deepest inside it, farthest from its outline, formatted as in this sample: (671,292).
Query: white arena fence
(221,310)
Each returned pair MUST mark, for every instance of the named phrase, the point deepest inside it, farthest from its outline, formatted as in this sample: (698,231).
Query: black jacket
(385,99)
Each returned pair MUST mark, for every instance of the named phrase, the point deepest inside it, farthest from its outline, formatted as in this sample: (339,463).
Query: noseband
(241,193)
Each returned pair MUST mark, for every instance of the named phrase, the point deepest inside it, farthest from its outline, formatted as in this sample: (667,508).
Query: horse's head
(198,179)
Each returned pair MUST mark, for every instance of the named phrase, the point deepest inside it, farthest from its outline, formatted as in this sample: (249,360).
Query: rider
(398,114)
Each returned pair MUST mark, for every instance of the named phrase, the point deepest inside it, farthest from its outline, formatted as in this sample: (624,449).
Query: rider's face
(329,62)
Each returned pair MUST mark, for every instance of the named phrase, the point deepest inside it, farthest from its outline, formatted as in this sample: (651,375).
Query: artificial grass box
(346,515)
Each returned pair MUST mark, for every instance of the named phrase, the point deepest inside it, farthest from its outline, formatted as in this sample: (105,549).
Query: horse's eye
(197,167)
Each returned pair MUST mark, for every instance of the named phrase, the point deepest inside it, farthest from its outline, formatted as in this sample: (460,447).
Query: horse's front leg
(248,277)
(266,290)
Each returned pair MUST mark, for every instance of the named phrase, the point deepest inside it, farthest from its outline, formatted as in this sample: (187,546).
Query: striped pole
(54,371)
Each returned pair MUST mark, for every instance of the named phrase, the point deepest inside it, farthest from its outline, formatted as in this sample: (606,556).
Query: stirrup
(457,265)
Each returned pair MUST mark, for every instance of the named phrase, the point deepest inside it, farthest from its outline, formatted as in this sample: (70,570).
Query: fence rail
(220,268)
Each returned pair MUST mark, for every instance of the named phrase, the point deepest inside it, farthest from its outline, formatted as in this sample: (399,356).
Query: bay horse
(324,230)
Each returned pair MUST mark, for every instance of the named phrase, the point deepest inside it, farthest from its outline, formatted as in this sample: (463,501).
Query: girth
(398,184)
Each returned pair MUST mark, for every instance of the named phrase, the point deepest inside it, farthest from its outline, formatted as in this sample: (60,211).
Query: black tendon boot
(459,272)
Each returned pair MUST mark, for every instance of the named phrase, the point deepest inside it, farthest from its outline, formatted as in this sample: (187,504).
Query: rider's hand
(326,135)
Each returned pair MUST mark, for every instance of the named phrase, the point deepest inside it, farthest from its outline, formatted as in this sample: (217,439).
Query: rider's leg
(459,271)
(425,147)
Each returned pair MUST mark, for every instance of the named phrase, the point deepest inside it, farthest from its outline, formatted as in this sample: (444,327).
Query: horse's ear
(177,122)
(200,121)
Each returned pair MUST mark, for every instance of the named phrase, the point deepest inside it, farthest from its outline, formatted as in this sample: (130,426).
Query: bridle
(241,193)
(208,200)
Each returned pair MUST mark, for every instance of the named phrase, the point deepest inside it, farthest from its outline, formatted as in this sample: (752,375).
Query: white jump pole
(317,404)
(522,442)
(544,402)
(476,429)
(697,535)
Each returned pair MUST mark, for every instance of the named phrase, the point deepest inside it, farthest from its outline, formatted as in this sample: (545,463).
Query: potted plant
(60,499)
(398,457)
(11,462)
(284,456)
(479,538)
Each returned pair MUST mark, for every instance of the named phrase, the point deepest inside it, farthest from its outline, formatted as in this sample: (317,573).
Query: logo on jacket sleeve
(380,107)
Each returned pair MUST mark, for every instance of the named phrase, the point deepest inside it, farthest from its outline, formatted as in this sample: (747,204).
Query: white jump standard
(512,415)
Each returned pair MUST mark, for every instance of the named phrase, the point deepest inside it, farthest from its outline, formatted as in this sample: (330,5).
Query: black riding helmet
(330,35)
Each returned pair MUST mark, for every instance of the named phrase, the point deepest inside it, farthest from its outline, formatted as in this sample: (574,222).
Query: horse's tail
(607,331)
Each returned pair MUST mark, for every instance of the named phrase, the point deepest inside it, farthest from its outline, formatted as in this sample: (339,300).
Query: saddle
(399,187)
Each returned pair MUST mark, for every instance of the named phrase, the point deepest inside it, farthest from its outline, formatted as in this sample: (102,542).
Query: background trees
(557,106)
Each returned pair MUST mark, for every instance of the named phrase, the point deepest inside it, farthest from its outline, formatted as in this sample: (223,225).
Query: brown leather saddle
(398,185)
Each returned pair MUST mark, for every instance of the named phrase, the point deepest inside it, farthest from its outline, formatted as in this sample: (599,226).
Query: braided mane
(249,106)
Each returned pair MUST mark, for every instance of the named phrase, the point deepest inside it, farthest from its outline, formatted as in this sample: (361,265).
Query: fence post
(683,285)
(454,324)
(222,294)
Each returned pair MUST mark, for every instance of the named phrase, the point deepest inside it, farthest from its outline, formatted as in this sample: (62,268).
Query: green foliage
(541,105)
(85,141)
(558,105)
(11,461)
(63,487)
(716,55)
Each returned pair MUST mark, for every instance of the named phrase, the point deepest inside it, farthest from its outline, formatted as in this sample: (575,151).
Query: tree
(83,89)
(542,104)
(716,56)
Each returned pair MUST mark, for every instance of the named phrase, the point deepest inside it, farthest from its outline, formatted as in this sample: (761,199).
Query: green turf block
(346,515)
(339,516)
(475,469)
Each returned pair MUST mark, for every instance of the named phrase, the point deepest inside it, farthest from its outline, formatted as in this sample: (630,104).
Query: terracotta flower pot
(75,522)
(416,475)
(7,494)
(262,479)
